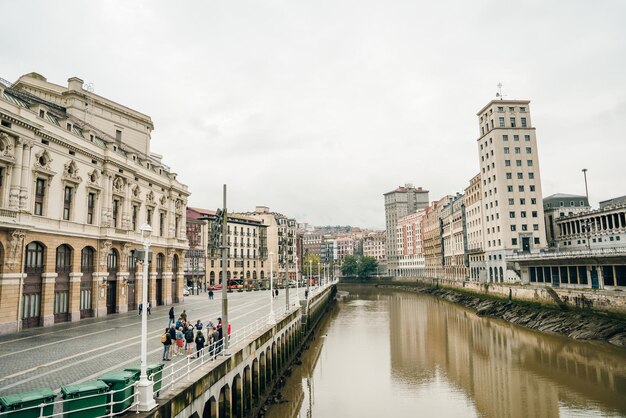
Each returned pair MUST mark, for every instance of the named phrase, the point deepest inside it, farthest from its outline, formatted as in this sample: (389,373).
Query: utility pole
(224,278)
(286,266)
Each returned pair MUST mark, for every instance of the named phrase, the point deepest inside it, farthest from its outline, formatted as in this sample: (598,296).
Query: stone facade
(77,179)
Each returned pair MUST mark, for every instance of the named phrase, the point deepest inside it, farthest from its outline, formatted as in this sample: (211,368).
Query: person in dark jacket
(172,317)
(215,337)
(167,343)
(189,340)
(172,332)
(199,343)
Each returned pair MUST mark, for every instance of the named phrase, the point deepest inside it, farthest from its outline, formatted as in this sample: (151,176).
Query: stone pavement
(73,352)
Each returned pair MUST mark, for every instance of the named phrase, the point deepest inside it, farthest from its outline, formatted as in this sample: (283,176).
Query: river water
(386,353)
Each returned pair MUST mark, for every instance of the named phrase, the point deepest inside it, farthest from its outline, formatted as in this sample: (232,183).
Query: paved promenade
(75,352)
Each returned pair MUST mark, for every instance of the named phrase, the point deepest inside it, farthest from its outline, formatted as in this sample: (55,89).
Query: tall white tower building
(511,185)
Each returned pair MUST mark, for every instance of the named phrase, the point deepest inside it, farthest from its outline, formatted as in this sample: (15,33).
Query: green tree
(313,261)
(367,266)
(350,266)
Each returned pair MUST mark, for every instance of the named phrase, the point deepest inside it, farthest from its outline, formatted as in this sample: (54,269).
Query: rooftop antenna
(499,92)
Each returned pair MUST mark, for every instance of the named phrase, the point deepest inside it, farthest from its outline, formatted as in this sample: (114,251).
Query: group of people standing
(181,336)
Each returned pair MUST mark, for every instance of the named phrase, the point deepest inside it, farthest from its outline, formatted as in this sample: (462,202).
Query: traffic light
(216,229)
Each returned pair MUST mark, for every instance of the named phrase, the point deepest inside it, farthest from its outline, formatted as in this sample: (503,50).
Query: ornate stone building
(77,180)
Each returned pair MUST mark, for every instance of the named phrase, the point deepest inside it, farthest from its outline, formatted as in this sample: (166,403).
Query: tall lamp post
(586,189)
(272,318)
(295,260)
(310,275)
(286,271)
(145,386)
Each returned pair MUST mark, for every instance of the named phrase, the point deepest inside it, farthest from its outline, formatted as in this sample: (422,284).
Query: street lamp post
(310,276)
(272,318)
(295,260)
(586,189)
(325,273)
(145,386)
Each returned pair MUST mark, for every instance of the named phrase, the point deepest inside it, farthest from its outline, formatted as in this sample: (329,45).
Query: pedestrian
(199,343)
(215,340)
(183,316)
(140,307)
(167,342)
(219,323)
(148,308)
(210,325)
(220,336)
(210,294)
(172,317)
(276,292)
(172,332)
(189,340)
(179,341)
(199,325)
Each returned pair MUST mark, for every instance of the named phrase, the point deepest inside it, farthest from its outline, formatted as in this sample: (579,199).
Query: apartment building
(247,249)
(558,205)
(454,239)
(411,245)
(399,203)
(281,240)
(475,234)
(433,252)
(77,180)
(374,246)
(511,182)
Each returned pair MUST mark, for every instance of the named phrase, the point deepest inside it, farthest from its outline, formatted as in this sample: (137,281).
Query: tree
(367,266)
(315,264)
(350,266)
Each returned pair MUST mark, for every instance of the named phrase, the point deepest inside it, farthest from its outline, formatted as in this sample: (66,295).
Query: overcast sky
(317,108)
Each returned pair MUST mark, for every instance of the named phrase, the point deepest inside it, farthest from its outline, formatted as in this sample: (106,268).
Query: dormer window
(42,113)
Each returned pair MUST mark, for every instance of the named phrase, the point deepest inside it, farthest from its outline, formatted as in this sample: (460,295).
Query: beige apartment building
(433,252)
(511,183)
(77,180)
(399,203)
(411,245)
(474,222)
(374,246)
(281,241)
(453,238)
(247,248)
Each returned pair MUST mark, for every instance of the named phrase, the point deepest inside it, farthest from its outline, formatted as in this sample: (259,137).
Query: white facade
(511,182)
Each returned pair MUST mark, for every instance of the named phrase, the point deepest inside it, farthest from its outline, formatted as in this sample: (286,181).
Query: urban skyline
(257,110)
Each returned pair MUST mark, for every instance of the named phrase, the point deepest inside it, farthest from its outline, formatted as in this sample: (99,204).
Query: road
(75,352)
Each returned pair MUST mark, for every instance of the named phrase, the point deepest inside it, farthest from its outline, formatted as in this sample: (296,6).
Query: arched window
(86,260)
(501,274)
(34,257)
(64,259)
(175,263)
(160,262)
(112,259)
(491,274)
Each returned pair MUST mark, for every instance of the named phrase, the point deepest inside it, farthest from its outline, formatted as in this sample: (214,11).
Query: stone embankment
(575,324)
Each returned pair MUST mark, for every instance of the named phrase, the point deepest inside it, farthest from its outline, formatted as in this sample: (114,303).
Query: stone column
(10,291)
(25,176)
(74,296)
(152,288)
(99,294)
(167,288)
(16,176)
(122,292)
(47,298)
(180,282)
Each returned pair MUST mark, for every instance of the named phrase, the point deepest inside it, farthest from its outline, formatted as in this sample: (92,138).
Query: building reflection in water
(507,370)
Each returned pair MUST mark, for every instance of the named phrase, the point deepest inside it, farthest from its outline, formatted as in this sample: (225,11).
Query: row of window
(520,176)
(68,198)
(520,188)
(501,123)
(522,214)
(518,163)
(522,201)
(511,109)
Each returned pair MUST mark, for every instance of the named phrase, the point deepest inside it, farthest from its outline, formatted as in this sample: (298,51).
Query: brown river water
(386,353)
